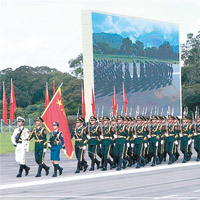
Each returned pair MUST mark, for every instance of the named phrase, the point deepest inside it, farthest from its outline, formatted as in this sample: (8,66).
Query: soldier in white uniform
(19,140)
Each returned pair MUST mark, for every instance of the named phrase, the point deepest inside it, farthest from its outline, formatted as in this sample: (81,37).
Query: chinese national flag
(93,105)
(5,111)
(46,96)
(13,106)
(114,103)
(83,104)
(55,112)
(125,100)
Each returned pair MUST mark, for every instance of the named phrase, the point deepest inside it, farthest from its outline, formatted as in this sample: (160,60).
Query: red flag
(5,111)
(93,104)
(83,103)
(13,106)
(46,96)
(55,112)
(125,100)
(54,87)
(114,103)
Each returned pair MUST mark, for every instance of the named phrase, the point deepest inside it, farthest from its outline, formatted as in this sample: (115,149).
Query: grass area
(6,145)
(130,59)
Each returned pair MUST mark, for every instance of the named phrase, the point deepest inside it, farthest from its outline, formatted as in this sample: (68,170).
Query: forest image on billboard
(142,54)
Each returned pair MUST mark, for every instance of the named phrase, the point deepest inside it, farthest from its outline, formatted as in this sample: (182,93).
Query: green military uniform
(93,134)
(39,133)
(197,139)
(79,134)
(138,147)
(120,142)
(170,138)
(153,141)
(106,136)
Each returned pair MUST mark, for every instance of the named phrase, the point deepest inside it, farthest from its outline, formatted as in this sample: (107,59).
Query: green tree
(126,47)
(77,66)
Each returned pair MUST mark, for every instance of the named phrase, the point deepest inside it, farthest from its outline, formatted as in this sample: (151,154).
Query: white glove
(145,145)
(132,145)
(115,136)
(176,142)
(88,137)
(101,136)
(44,150)
(64,151)
(157,144)
(84,147)
(166,135)
(100,146)
(181,135)
(148,136)
(162,141)
(111,138)
(189,141)
(128,145)
(195,134)
(114,144)
(134,136)
(49,145)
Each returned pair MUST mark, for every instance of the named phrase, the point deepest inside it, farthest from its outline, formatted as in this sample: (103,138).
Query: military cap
(100,119)
(176,117)
(120,117)
(39,119)
(198,117)
(188,117)
(126,119)
(20,119)
(55,124)
(79,120)
(184,117)
(171,117)
(105,118)
(93,118)
(154,117)
(83,120)
(139,118)
(147,118)
(132,118)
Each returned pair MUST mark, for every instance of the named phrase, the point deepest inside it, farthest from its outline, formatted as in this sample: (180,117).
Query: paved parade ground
(177,181)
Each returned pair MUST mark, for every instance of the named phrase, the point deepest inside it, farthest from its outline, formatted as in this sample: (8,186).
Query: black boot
(119,165)
(46,168)
(85,166)
(97,162)
(55,170)
(26,169)
(60,169)
(170,159)
(78,167)
(21,167)
(198,156)
(124,164)
(138,163)
(39,171)
(154,162)
(105,166)
(110,163)
(92,166)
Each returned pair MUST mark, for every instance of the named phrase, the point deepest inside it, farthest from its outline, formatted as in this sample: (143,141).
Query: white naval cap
(20,119)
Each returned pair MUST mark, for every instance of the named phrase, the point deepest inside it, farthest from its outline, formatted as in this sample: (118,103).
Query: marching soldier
(106,136)
(39,133)
(139,136)
(93,134)
(120,141)
(56,143)
(79,133)
(197,137)
(19,140)
(153,140)
(170,138)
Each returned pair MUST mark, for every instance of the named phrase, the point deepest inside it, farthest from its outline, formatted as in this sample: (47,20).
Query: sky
(150,32)
(49,32)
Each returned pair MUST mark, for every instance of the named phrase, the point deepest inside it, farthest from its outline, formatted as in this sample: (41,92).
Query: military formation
(119,142)
(144,76)
(127,141)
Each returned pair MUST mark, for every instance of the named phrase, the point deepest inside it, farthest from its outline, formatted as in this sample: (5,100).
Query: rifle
(19,136)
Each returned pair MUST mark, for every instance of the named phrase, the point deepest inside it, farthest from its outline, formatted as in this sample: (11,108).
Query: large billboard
(142,54)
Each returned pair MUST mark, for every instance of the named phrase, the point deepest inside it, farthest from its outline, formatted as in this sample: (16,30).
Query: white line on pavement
(95,175)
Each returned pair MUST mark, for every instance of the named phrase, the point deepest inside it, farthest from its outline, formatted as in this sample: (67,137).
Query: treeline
(30,85)
(164,51)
